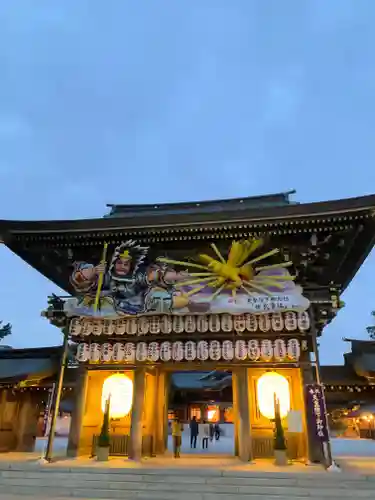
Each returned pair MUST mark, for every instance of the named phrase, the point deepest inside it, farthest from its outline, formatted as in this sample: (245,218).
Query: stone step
(165,495)
(75,479)
(185,484)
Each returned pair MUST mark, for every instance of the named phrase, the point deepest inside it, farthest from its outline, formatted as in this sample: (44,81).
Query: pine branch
(5,330)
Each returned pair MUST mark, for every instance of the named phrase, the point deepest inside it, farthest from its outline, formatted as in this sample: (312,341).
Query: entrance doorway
(207,398)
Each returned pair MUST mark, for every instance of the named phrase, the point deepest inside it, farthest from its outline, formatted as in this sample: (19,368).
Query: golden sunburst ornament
(238,272)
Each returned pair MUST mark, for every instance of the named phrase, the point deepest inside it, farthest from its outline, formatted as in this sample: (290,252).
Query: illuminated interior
(119,388)
(228,415)
(268,385)
(195,412)
(213,413)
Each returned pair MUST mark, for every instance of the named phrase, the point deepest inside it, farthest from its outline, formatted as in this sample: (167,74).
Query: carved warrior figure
(129,285)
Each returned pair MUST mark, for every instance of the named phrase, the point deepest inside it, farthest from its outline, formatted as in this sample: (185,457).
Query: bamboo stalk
(101,277)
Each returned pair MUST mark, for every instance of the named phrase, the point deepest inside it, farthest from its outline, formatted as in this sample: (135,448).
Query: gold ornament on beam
(236,273)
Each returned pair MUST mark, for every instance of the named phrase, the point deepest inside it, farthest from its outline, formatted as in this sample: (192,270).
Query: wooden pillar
(27,423)
(222,414)
(3,402)
(235,412)
(136,431)
(78,413)
(243,414)
(167,392)
(161,413)
(150,411)
(203,412)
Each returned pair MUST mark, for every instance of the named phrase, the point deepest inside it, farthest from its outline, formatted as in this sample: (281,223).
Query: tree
(279,436)
(104,439)
(5,330)
(371,329)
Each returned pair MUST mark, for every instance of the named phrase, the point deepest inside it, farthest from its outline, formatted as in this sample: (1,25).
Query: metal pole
(47,410)
(57,397)
(328,458)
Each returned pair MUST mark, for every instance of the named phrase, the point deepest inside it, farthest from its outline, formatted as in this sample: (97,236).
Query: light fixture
(119,388)
(268,385)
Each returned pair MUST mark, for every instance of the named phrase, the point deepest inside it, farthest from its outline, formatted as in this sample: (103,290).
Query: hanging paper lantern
(154,325)
(202,350)
(153,351)
(251,322)
(177,351)
(166,351)
(214,350)
(253,350)
(202,323)
(143,326)
(94,352)
(240,350)
(166,324)
(264,322)
(141,351)
(294,350)
(106,352)
(87,327)
(239,323)
(266,350)
(290,321)
(83,352)
(303,321)
(279,350)
(108,327)
(190,324)
(226,323)
(132,327)
(228,351)
(129,352)
(178,324)
(118,352)
(190,350)
(121,326)
(214,323)
(277,322)
(75,327)
(97,328)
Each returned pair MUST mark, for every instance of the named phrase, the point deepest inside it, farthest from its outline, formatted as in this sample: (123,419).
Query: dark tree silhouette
(5,330)
(371,329)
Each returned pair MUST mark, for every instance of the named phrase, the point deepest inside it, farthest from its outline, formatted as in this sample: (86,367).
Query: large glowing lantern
(120,388)
(268,385)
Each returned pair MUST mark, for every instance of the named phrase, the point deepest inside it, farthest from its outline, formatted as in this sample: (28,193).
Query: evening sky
(141,101)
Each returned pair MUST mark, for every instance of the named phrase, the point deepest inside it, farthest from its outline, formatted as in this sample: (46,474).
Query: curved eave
(170,222)
(275,199)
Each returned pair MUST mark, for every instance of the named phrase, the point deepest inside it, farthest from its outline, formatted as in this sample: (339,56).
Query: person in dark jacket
(217,432)
(212,431)
(193,432)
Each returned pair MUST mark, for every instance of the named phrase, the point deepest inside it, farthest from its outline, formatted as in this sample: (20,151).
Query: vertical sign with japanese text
(316,407)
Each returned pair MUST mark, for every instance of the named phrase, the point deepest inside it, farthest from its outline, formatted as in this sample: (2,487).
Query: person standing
(194,431)
(205,432)
(177,429)
(217,432)
(212,431)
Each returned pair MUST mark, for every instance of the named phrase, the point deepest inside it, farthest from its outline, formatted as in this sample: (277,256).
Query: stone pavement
(214,475)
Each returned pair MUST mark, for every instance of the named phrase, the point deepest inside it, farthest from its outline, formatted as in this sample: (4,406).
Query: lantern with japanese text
(165,351)
(227,350)
(215,350)
(129,352)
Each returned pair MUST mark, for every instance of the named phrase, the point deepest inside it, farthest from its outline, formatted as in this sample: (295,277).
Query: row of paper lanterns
(213,323)
(253,350)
